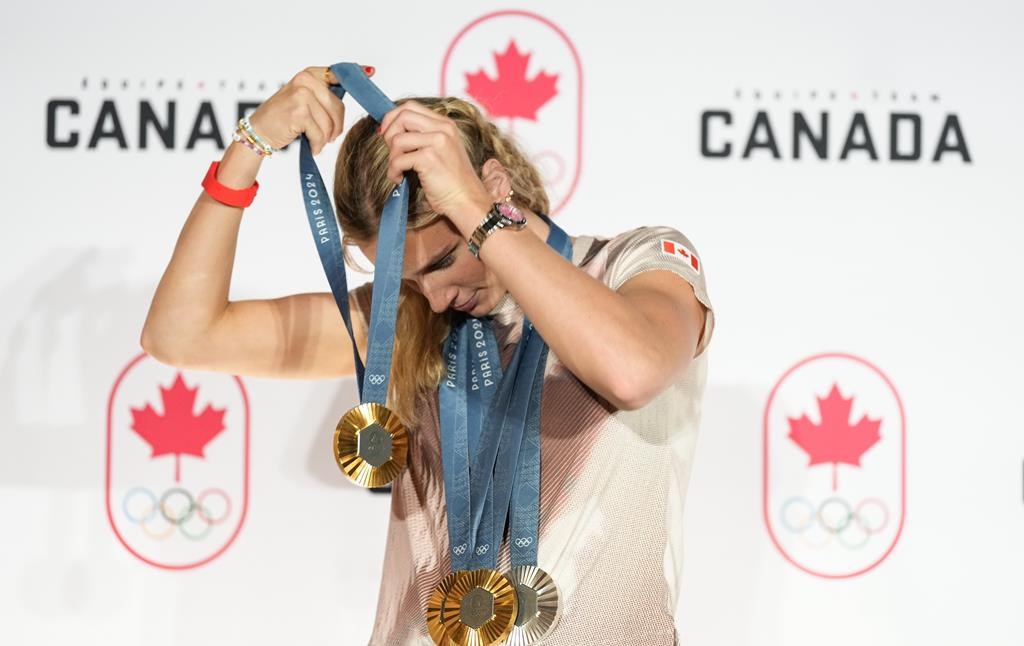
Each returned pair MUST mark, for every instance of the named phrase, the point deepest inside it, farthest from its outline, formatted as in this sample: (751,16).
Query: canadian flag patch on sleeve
(673,248)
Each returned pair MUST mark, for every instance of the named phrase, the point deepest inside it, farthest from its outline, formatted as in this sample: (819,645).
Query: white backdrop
(896,281)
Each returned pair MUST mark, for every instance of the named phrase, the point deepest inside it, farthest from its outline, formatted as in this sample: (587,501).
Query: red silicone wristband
(225,195)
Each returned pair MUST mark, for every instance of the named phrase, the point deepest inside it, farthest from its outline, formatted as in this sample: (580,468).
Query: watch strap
(492,221)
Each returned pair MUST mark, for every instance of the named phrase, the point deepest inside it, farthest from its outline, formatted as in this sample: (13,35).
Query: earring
(509,197)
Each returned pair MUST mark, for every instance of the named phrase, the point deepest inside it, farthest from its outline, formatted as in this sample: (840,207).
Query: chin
(483,303)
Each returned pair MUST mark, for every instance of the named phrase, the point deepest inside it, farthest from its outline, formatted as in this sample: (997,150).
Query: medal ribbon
(373,379)
(503,469)
(461,413)
(491,461)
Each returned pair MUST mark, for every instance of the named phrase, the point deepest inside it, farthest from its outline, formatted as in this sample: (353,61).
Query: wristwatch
(501,215)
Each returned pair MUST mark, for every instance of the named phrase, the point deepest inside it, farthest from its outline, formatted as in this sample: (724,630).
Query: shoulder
(659,247)
(652,234)
(652,247)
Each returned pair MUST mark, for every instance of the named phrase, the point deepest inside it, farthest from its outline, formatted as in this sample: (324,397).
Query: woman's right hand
(303,105)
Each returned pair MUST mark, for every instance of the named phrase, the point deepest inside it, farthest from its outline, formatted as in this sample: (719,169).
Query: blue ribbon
(490,423)
(373,378)
(502,474)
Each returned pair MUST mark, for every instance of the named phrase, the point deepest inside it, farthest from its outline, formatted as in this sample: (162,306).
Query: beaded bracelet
(238,136)
(253,137)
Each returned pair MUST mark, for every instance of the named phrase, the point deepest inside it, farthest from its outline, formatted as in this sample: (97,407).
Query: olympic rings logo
(460,549)
(376,380)
(524,542)
(835,516)
(482,550)
(177,507)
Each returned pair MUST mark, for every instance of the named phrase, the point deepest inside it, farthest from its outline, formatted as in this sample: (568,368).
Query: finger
(329,102)
(414,121)
(409,107)
(325,73)
(412,105)
(405,142)
(397,166)
(323,120)
(314,129)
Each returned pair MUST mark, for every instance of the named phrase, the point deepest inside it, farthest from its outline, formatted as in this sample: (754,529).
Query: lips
(468,305)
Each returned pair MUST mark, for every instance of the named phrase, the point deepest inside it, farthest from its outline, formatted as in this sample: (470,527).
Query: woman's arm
(192,324)
(627,345)
(190,321)
(192,295)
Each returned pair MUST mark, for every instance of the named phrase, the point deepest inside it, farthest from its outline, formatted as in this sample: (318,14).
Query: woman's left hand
(429,143)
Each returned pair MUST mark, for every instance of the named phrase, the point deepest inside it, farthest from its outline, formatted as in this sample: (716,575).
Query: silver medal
(539,605)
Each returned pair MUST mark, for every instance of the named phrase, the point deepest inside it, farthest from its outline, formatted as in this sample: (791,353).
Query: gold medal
(480,608)
(436,624)
(539,605)
(370,445)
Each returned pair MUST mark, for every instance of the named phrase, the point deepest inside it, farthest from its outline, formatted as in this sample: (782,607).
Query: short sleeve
(660,247)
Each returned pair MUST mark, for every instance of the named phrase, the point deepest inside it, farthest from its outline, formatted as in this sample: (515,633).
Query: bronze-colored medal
(539,605)
(480,608)
(370,445)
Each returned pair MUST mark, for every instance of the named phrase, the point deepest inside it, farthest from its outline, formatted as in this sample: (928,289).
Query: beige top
(613,482)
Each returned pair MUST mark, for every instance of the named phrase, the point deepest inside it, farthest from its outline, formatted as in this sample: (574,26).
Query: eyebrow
(437,259)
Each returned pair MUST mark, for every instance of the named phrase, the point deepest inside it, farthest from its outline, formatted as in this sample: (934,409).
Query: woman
(627,323)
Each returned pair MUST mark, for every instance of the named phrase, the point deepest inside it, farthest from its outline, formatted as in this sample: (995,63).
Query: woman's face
(439,265)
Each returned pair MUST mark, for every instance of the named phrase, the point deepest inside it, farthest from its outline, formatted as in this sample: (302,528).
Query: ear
(496,179)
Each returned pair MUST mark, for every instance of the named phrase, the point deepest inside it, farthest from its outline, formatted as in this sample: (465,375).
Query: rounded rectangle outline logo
(107,477)
(766,513)
(579,81)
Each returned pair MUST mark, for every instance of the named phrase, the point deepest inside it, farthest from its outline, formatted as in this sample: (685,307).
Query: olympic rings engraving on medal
(194,509)
(852,526)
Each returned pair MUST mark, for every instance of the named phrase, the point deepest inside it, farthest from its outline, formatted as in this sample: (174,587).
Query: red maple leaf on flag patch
(177,431)
(834,439)
(510,94)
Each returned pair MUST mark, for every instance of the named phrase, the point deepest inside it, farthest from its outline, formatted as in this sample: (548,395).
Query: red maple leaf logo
(834,440)
(177,431)
(510,94)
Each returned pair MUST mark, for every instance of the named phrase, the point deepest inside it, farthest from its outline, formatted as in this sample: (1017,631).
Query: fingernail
(368,69)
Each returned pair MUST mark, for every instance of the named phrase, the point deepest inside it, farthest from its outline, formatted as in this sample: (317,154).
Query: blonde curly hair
(361,187)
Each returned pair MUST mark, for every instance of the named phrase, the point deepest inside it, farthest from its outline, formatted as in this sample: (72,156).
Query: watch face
(511,212)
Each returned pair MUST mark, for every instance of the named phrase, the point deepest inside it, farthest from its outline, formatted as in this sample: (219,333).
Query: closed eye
(442,263)
(445,261)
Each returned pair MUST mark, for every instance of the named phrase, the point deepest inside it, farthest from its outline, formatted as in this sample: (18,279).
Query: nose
(439,296)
